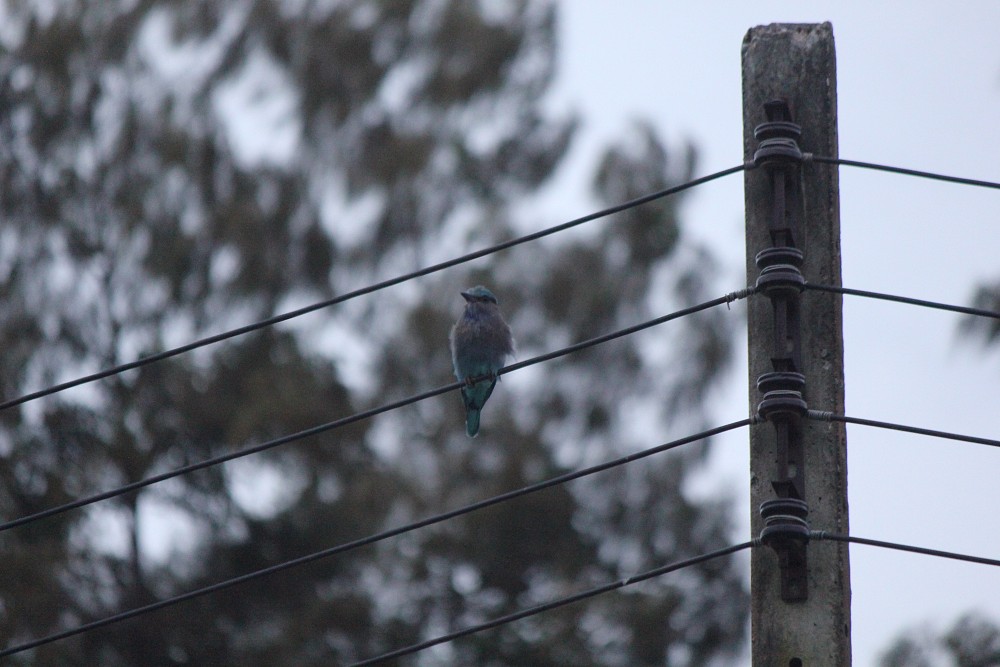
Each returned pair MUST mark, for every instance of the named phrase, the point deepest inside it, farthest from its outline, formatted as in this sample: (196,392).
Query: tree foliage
(987,297)
(170,170)
(972,641)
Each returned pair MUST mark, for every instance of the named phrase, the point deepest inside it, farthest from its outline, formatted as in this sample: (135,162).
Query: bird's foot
(471,381)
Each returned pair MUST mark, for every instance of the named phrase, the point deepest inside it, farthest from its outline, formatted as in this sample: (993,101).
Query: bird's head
(479,294)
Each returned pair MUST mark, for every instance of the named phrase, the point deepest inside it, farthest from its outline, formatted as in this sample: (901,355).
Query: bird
(480,344)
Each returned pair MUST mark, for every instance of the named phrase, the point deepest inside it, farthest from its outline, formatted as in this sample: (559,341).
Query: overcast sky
(918,86)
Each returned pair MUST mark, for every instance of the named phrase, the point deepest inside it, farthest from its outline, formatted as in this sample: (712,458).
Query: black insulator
(777,129)
(784,519)
(789,380)
(782,402)
(786,531)
(773,152)
(779,271)
(779,255)
(782,392)
(780,280)
(778,139)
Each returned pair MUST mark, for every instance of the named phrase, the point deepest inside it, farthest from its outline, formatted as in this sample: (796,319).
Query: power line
(554,604)
(829,416)
(727,299)
(344,421)
(223,458)
(902,170)
(513,494)
(277,319)
(823,535)
(965,310)
(377,537)
(819,535)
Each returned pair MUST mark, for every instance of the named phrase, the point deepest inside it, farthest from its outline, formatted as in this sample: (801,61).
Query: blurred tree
(973,641)
(173,169)
(988,297)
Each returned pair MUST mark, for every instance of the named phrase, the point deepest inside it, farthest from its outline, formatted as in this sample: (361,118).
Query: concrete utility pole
(800,608)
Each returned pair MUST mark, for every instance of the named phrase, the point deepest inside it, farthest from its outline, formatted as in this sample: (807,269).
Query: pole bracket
(783,402)
(786,531)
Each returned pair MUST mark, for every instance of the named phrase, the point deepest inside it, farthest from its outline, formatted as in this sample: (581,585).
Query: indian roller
(480,344)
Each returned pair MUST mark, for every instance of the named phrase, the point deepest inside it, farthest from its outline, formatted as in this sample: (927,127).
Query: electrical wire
(344,421)
(902,170)
(819,535)
(554,604)
(513,494)
(965,310)
(377,537)
(284,317)
(223,458)
(705,305)
(829,416)
(823,535)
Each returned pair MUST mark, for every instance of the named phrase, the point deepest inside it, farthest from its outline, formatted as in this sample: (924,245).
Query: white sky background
(918,86)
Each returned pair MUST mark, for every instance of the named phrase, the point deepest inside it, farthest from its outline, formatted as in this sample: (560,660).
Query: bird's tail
(472,421)
(474,398)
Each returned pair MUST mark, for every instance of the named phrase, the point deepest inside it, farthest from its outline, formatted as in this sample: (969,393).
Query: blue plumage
(480,344)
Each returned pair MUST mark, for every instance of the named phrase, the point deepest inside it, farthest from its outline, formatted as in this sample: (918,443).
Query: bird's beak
(466,296)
